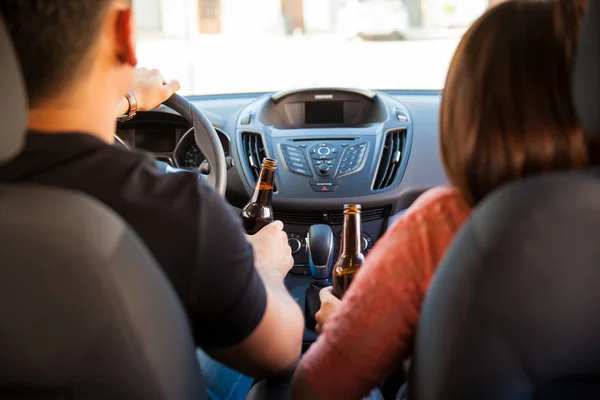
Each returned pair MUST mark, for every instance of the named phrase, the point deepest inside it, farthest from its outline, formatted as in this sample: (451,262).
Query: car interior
(485,331)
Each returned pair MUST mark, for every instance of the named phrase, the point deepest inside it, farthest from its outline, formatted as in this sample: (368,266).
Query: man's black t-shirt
(196,239)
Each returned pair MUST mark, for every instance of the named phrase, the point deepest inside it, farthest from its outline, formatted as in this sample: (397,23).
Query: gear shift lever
(320,246)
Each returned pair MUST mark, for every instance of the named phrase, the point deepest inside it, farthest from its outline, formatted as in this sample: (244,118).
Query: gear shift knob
(320,246)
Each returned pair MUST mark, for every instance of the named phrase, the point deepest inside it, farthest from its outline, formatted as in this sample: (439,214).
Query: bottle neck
(263,192)
(352,236)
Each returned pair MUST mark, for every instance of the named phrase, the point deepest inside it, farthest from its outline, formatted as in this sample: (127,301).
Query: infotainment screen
(324,112)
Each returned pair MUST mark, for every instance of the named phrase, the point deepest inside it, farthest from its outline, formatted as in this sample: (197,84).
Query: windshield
(237,46)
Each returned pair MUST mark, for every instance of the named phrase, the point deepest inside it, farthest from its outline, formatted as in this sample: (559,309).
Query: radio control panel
(325,159)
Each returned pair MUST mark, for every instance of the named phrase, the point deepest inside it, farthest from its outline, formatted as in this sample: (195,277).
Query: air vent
(300,218)
(393,151)
(333,218)
(366,216)
(255,153)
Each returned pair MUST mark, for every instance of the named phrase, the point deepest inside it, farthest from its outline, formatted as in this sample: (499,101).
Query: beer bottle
(258,213)
(351,257)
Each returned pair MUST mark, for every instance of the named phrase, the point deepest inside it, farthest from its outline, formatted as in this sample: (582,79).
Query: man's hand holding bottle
(272,254)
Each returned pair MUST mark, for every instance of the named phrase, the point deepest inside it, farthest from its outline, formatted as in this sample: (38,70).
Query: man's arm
(273,348)
(275,345)
(246,318)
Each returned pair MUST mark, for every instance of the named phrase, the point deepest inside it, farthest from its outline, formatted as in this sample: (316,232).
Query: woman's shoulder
(444,201)
(426,229)
(440,197)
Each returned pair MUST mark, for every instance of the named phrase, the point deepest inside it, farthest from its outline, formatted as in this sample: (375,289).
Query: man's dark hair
(52,39)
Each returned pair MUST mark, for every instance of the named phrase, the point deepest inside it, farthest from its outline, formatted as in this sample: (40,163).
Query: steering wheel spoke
(206,139)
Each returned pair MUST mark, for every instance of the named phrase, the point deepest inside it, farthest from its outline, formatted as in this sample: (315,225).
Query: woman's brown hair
(506,108)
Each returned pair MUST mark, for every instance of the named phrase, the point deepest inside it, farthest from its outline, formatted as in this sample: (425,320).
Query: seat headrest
(586,82)
(13,101)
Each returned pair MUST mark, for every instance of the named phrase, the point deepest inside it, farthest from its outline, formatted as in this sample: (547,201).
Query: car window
(233,46)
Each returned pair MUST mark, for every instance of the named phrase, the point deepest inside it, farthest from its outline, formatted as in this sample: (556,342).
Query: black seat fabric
(513,310)
(586,80)
(85,313)
(13,103)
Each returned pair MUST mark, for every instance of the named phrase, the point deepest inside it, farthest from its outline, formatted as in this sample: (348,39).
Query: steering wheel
(206,139)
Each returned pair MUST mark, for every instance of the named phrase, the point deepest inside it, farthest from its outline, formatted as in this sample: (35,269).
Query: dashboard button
(297,159)
(352,158)
(293,153)
(324,189)
(302,171)
(317,156)
(293,149)
(325,185)
(324,151)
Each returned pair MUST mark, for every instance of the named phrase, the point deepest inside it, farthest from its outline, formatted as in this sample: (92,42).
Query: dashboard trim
(256,95)
(280,96)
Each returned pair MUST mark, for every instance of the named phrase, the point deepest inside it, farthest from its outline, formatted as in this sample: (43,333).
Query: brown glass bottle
(351,257)
(258,213)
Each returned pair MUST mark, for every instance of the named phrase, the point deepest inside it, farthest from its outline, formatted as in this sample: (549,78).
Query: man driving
(78,60)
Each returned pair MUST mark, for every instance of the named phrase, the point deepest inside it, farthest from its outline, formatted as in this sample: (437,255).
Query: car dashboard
(168,137)
(333,147)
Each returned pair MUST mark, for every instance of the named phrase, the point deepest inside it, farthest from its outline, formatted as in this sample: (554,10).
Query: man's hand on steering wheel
(150,90)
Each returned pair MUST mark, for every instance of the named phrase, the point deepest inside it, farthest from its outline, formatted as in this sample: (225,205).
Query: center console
(334,146)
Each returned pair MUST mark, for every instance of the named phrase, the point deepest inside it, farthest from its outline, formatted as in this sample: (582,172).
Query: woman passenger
(506,114)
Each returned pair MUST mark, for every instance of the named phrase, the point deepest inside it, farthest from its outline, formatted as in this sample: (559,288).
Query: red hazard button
(326,186)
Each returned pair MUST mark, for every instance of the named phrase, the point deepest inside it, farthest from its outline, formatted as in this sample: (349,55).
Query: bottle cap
(269,163)
(352,208)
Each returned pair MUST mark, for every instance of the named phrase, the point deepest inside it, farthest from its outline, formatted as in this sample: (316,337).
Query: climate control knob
(366,244)
(295,242)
